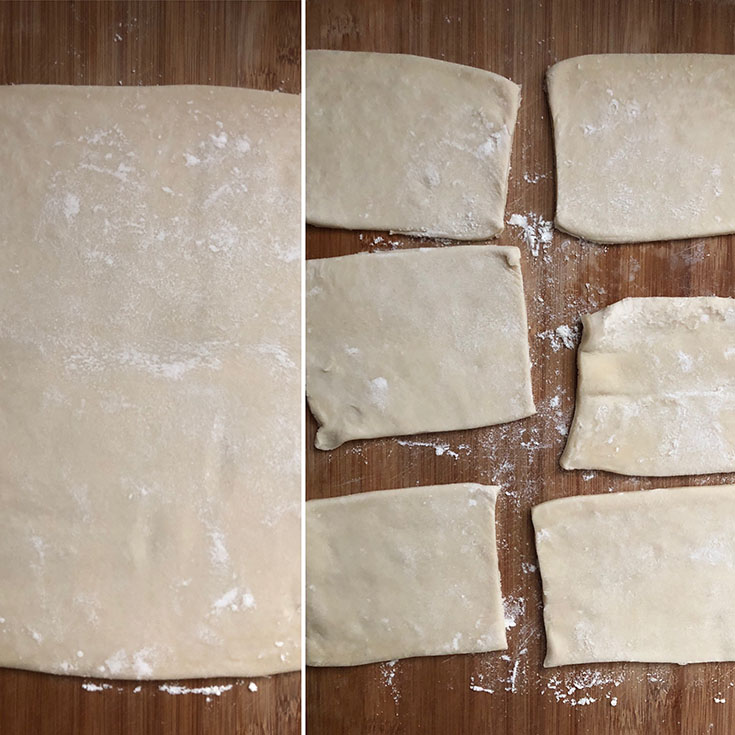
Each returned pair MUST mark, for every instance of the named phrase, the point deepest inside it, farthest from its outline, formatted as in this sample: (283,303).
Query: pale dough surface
(407,144)
(644,145)
(405,342)
(399,573)
(656,388)
(638,576)
(149,381)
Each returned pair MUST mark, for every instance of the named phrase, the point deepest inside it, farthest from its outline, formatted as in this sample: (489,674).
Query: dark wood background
(241,44)
(432,695)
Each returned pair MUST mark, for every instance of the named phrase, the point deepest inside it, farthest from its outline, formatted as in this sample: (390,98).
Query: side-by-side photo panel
(150,368)
(520,376)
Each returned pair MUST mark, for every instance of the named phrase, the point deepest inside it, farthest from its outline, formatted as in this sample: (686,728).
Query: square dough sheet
(400,573)
(413,341)
(656,388)
(407,144)
(639,576)
(149,381)
(644,145)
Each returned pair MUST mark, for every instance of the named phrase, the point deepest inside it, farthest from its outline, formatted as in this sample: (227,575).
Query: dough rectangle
(639,576)
(656,388)
(407,144)
(405,342)
(644,145)
(400,573)
(149,383)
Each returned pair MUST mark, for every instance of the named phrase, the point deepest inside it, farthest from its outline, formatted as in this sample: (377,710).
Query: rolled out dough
(400,573)
(644,145)
(149,381)
(405,342)
(639,576)
(656,388)
(408,144)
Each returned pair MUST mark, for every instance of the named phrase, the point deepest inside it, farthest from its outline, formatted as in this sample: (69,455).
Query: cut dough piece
(644,145)
(405,342)
(399,573)
(656,388)
(639,576)
(149,381)
(408,144)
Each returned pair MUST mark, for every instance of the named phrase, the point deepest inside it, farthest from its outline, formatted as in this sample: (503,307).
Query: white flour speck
(379,392)
(92,687)
(388,672)
(563,336)
(513,608)
(440,448)
(227,600)
(686,363)
(220,141)
(533,178)
(209,691)
(536,232)
(218,551)
(71,206)
(489,146)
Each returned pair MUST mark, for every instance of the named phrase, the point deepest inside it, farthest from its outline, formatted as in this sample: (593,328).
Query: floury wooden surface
(564,280)
(242,44)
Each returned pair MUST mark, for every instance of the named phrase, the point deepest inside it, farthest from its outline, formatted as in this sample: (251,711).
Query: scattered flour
(563,336)
(213,690)
(388,671)
(440,448)
(90,686)
(513,608)
(536,232)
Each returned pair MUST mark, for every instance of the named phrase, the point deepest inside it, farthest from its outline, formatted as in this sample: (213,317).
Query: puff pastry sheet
(644,145)
(638,576)
(399,573)
(408,144)
(149,381)
(430,339)
(656,388)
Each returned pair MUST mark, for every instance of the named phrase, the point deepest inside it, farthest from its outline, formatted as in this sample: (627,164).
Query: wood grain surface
(566,279)
(243,44)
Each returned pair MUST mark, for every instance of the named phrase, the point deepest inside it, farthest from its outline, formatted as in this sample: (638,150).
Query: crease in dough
(638,576)
(407,144)
(644,145)
(415,341)
(399,573)
(656,388)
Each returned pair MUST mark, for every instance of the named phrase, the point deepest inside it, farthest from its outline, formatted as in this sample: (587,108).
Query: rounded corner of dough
(327,439)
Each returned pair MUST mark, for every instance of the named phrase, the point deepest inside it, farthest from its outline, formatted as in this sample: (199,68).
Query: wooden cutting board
(510,692)
(245,44)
